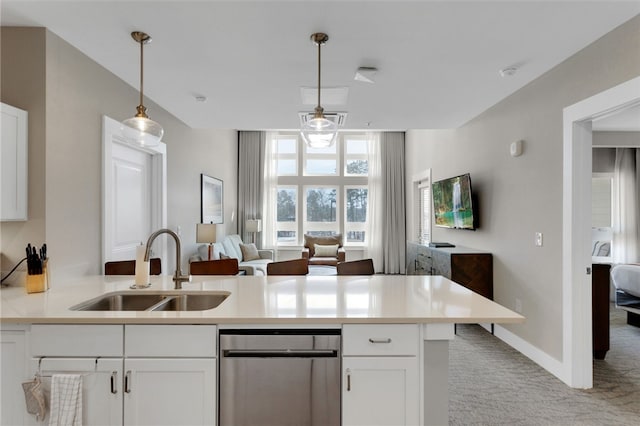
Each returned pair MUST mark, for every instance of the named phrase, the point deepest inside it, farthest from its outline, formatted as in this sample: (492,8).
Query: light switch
(538,239)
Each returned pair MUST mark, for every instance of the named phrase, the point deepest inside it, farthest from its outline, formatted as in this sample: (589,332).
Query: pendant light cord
(319,47)
(141,70)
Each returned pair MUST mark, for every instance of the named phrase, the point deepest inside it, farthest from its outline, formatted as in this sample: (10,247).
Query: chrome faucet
(178,278)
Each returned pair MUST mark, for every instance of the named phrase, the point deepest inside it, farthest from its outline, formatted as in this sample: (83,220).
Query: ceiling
(438,61)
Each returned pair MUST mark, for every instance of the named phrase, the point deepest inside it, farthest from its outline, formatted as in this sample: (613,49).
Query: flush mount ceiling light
(319,132)
(140,129)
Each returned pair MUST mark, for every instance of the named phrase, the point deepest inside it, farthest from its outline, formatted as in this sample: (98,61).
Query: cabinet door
(166,391)
(13,156)
(380,391)
(101,385)
(13,372)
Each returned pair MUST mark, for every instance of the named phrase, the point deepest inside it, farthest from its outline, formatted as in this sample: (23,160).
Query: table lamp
(254,226)
(206,233)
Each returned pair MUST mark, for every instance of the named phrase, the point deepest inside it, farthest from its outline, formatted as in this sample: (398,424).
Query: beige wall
(616,139)
(523,195)
(78,93)
(23,83)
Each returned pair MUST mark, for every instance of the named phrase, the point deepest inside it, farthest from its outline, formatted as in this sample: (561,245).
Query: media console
(468,267)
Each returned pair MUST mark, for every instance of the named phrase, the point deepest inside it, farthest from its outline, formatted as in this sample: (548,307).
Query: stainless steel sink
(191,302)
(171,300)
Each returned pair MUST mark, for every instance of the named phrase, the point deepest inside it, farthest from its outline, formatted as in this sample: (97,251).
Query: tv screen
(452,203)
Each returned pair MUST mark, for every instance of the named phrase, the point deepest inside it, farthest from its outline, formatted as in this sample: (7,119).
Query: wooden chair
(128,267)
(356,267)
(288,267)
(215,267)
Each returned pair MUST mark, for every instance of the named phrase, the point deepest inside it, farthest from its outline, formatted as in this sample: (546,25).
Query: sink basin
(191,302)
(170,300)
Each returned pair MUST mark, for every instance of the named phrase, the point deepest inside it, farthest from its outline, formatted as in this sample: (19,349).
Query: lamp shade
(205,233)
(253,225)
(142,131)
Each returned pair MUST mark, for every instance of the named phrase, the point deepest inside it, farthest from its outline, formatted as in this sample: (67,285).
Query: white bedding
(627,278)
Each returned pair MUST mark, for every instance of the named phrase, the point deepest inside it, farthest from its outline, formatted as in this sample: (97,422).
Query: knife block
(38,283)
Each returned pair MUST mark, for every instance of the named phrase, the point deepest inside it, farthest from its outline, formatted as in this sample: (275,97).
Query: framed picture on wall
(211,198)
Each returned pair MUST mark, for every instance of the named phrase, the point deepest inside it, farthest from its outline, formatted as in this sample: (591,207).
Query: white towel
(66,400)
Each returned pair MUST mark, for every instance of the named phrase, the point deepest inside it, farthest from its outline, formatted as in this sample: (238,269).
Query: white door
(134,194)
(101,385)
(130,207)
(380,391)
(170,391)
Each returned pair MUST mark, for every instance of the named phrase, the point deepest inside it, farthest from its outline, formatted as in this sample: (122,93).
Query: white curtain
(250,177)
(374,222)
(270,191)
(626,206)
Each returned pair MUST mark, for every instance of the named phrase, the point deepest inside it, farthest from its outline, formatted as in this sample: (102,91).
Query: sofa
(230,246)
(329,257)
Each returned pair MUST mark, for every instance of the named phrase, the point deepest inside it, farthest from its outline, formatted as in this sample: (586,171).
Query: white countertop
(270,300)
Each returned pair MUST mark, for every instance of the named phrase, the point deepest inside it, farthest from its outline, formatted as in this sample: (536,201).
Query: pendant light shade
(140,129)
(319,132)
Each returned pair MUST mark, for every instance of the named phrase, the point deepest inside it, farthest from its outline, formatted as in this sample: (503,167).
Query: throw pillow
(249,252)
(325,250)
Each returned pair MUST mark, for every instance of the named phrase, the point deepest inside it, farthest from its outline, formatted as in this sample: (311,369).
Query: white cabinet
(13,362)
(101,385)
(132,374)
(166,391)
(13,159)
(380,383)
(170,375)
(380,391)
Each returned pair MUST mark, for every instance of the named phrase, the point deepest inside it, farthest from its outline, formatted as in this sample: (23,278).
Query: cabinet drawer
(76,340)
(170,340)
(380,339)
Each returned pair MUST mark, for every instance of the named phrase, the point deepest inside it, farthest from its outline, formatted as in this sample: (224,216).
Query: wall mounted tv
(453,203)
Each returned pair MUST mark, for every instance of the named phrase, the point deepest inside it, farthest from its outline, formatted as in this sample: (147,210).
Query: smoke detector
(366,74)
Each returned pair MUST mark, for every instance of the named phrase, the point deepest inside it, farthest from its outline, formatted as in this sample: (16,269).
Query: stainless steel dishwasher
(279,377)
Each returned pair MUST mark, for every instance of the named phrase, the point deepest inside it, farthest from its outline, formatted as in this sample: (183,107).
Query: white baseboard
(541,358)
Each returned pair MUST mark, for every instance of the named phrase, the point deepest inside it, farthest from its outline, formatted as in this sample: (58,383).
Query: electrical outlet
(518,306)
(538,239)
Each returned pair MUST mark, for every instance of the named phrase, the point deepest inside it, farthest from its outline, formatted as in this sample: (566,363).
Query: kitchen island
(395,332)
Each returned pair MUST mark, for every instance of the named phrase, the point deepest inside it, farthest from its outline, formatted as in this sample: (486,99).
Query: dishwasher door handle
(280,353)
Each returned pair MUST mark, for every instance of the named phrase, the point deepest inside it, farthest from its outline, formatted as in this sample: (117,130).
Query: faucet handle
(179,279)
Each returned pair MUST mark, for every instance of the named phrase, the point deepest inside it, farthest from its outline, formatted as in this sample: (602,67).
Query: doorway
(577,368)
(133,194)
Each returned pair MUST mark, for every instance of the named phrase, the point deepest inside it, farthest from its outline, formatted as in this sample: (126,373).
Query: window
(322,191)
(286,215)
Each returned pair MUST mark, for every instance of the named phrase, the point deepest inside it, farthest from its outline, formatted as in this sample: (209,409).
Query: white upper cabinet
(13,158)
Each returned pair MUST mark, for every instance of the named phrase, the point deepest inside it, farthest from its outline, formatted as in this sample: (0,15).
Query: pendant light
(319,132)
(140,129)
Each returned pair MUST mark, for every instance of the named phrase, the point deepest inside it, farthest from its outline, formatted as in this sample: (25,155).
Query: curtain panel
(626,206)
(250,180)
(389,218)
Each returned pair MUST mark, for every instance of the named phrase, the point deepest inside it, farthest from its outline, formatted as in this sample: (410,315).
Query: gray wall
(523,195)
(23,86)
(76,93)
(603,160)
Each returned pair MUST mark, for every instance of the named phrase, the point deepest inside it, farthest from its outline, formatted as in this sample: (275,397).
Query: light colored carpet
(490,383)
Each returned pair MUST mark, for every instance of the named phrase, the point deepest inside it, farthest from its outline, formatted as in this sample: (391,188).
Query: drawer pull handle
(348,380)
(114,382)
(127,382)
(387,340)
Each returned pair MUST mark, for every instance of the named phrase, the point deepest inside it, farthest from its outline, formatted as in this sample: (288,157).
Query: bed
(626,280)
